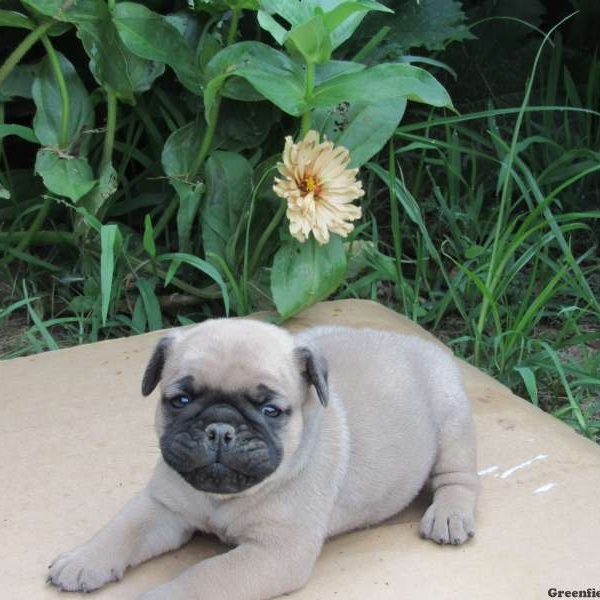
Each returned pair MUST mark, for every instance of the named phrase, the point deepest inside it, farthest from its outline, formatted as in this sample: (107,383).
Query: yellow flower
(318,187)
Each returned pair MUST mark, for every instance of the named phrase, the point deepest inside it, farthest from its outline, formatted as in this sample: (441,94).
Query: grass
(483,227)
(500,254)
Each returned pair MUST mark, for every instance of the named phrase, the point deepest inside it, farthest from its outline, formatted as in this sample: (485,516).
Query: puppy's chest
(218,521)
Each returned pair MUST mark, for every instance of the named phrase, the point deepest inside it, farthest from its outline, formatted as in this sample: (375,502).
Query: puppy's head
(235,399)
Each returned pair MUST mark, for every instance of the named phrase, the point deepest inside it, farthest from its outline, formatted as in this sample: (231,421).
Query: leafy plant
(210,165)
(139,144)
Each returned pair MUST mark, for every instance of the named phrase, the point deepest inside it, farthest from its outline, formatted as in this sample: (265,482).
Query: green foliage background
(139,144)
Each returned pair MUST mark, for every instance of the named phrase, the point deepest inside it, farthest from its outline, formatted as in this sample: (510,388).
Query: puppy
(275,443)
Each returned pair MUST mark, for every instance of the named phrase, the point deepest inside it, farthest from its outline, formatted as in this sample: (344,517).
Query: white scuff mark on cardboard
(488,470)
(510,471)
(544,488)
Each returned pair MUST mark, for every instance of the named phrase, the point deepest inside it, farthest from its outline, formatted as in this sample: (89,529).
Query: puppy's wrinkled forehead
(231,354)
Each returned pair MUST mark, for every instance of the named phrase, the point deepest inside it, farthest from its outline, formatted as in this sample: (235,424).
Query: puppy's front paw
(446,523)
(82,570)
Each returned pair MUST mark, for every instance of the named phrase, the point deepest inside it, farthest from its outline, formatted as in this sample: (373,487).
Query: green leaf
(431,24)
(305,273)
(382,82)
(110,244)
(189,203)
(65,176)
(311,41)
(38,324)
(474,251)
(151,303)
(228,188)
(243,4)
(333,68)
(148,239)
(47,98)
(268,23)
(295,12)
(106,186)
(25,133)
(362,127)
(113,66)
(529,379)
(150,35)
(338,17)
(181,149)
(11,18)
(201,265)
(178,155)
(217,7)
(343,20)
(243,127)
(188,26)
(19,82)
(269,71)
(70,11)
(81,304)
(208,46)
(138,317)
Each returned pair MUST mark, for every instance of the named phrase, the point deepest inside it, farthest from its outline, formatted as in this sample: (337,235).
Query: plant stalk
(206,142)
(310,85)
(372,44)
(233,26)
(266,235)
(111,127)
(19,52)
(246,265)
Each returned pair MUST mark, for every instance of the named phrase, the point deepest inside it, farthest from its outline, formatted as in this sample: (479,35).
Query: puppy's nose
(220,434)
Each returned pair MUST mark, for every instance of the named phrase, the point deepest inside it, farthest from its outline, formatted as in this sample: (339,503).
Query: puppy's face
(234,401)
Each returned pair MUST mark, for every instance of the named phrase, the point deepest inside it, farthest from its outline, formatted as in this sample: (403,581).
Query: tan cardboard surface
(76,441)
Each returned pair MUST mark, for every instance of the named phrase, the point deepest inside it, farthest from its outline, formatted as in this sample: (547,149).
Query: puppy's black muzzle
(220,450)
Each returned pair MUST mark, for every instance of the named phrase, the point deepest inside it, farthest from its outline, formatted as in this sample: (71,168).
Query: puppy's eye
(270,411)
(180,401)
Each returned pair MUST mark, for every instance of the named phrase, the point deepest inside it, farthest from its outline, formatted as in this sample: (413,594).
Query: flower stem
(371,44)
(111,114)
(310,85)
(206,141)
(233,26)
(19,52)
(111,127)
(266,235)
(214,113)
(64,92)
(250,214)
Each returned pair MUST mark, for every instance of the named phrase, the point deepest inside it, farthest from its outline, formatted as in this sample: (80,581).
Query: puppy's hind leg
(451,517)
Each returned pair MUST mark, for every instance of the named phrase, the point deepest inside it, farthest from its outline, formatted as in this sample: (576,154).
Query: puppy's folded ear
(154,368)
(313,366)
